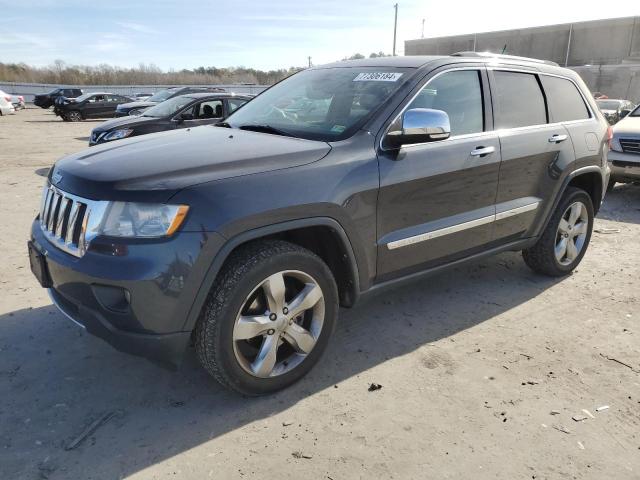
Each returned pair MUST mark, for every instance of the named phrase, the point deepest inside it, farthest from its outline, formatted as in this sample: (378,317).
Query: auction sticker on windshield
(377,77)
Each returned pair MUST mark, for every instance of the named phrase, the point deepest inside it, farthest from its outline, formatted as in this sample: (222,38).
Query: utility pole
(422,28)
(566,57)
(395,28)
(309,57)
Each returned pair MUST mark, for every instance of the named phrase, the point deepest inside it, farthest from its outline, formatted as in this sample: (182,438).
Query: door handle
(557,138)
(482,151)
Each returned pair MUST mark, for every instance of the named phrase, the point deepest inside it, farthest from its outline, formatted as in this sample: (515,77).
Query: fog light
(115,299)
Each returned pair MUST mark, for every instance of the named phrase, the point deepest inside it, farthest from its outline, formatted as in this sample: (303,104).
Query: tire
(543,256)
(74,116)
(231,354)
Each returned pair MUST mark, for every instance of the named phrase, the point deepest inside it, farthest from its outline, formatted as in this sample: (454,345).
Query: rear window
(519,101)
(564,99)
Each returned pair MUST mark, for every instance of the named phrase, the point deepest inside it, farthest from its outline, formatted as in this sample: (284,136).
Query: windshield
(324,104)
(608,104)
(161,96)
(167,108)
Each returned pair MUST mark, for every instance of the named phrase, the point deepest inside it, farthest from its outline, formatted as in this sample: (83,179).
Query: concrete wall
(29,90)
(617,81)
(606,53)
(597,42)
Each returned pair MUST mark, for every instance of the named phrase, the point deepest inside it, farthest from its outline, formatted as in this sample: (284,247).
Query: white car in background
(6,107)
(625,150)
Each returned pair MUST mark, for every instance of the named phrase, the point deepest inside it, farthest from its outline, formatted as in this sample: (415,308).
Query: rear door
(534,152)
(436,199)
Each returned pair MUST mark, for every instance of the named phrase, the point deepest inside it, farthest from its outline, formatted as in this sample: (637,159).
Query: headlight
(118,134)
(615,144)
(146,220)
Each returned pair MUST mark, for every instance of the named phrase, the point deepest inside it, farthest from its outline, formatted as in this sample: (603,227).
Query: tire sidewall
(572,197)
(223,349)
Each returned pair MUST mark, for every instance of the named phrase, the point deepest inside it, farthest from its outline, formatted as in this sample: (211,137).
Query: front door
(437,199)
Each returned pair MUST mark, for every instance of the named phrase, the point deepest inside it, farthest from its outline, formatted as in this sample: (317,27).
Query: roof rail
(505,57)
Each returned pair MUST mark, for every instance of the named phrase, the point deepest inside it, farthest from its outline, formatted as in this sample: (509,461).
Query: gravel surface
(481,369)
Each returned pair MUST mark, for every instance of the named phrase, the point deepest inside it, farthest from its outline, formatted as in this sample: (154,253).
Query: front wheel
(74,116)
(565,239)
(268,318)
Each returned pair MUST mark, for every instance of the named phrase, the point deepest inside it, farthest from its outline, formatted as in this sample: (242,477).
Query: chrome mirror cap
(419,125)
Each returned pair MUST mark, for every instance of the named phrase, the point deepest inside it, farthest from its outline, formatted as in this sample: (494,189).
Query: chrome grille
(62,219)
(630,145)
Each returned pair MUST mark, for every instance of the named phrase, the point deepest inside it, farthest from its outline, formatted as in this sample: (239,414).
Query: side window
(234,103)
(209,109)
(564,99)
(518,100)
(459,94)
(98,98)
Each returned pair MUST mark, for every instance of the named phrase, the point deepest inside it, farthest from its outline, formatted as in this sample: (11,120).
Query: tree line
(61,73)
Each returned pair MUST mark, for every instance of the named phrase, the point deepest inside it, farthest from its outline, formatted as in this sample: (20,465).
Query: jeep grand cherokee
(342,179)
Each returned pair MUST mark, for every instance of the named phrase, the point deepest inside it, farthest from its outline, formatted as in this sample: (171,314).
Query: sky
(267,34)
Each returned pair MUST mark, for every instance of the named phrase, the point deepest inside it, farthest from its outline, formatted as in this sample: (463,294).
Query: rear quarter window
(564,100)
(518,100)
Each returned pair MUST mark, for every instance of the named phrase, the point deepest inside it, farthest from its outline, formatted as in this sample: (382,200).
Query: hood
(123,122)
(132,105)
(154,167)
(627,126)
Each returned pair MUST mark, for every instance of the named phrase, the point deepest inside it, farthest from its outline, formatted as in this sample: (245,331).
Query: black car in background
(137,107)
(90,105)
(178,112)
(46,100)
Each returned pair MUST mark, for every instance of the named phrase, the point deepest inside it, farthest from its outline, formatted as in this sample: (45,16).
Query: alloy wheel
(278,324)
(572,232)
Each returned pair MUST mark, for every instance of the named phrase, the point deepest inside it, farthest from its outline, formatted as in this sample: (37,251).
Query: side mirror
(624,112)
(419,125)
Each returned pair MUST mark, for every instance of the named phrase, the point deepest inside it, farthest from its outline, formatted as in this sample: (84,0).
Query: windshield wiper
(265,129)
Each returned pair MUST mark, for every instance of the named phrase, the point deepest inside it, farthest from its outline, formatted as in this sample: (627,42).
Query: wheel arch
(590,180)
(323,236)
(587,178)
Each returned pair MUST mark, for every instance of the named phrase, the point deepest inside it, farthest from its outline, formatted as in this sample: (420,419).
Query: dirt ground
(482,369)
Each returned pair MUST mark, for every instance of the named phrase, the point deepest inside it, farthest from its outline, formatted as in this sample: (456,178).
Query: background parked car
(140,97)
(6,107)
(47,100)
(136,108)
(90,105)
(18,102)
(625,150)
(614,109)
(599,96)
(178,112)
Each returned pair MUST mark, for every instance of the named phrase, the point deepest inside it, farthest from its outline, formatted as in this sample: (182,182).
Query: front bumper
(625,167)
(135,296)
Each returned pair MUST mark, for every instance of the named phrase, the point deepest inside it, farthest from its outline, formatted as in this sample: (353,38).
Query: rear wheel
(268,318)
(565,239)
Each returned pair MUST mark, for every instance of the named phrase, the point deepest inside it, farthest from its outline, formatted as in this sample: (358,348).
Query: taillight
(8,98)
(609,136)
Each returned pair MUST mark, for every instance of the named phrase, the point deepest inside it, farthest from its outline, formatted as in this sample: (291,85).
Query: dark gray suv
(245,237)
